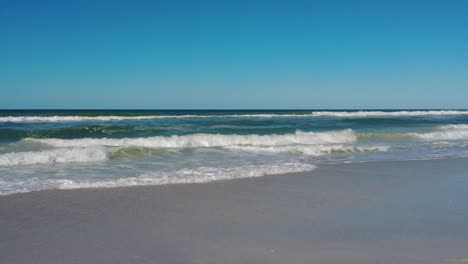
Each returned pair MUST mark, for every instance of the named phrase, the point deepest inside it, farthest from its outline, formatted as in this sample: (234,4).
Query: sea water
(50,149)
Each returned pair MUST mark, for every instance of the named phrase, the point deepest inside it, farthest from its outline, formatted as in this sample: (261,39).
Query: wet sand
(377,212)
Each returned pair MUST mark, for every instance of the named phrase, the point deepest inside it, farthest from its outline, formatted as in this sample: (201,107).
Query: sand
(376,212)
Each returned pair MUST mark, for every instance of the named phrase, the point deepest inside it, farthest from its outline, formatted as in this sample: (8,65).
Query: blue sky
(236,54)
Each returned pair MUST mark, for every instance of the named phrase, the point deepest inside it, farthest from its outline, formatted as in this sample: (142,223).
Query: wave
(62,155)
(313,150)
(40,119)
(98,131)
(183,176)
(101,149)
(385,136)
(74,131)
(207,140)
(387,113)
(56,119)
(47,119)
(198,175)
(447,132)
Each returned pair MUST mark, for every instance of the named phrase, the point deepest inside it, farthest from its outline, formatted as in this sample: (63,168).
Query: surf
(207,140)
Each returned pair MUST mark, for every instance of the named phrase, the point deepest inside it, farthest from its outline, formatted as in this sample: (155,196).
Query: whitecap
(61,155)
(207,140)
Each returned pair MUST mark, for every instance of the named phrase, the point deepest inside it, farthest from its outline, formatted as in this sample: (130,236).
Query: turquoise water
(88,148)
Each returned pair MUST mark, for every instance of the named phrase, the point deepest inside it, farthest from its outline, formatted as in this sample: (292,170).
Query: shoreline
(380,211)
(317,166)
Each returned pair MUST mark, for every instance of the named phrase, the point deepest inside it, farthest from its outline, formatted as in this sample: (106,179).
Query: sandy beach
(376,212)
(233,132)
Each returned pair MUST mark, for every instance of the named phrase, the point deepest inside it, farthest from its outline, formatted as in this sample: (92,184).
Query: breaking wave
(208,140)
(88,150)
(387,113)
(447,132)
(61,155)
(55,119)
(312,150)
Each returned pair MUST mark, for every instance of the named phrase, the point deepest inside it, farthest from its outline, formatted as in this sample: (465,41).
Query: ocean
(66,149)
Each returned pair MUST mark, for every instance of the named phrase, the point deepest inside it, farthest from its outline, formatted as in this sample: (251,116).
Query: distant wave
(51,119)
(207,140)
(387,113)
(61,155)
(55,119)
(183,176)
(447,132)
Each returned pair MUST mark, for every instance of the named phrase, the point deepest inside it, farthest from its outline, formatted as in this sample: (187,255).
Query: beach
(233,132)
(411,211)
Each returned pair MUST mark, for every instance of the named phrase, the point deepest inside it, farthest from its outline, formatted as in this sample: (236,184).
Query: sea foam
(387,113)
(446,132)
(312,150)
(55,119)
(207,140)
(61,155)
(58,119)
(195,175)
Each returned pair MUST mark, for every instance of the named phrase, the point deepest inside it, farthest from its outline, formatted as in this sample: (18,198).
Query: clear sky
(236,54)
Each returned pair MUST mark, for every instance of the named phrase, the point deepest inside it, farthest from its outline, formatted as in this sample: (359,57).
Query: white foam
(183,176)
(52,119)
(208,140)
(198,175)
(312,150)
(55,119)
(387,113)
(447,132)
(61,155)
